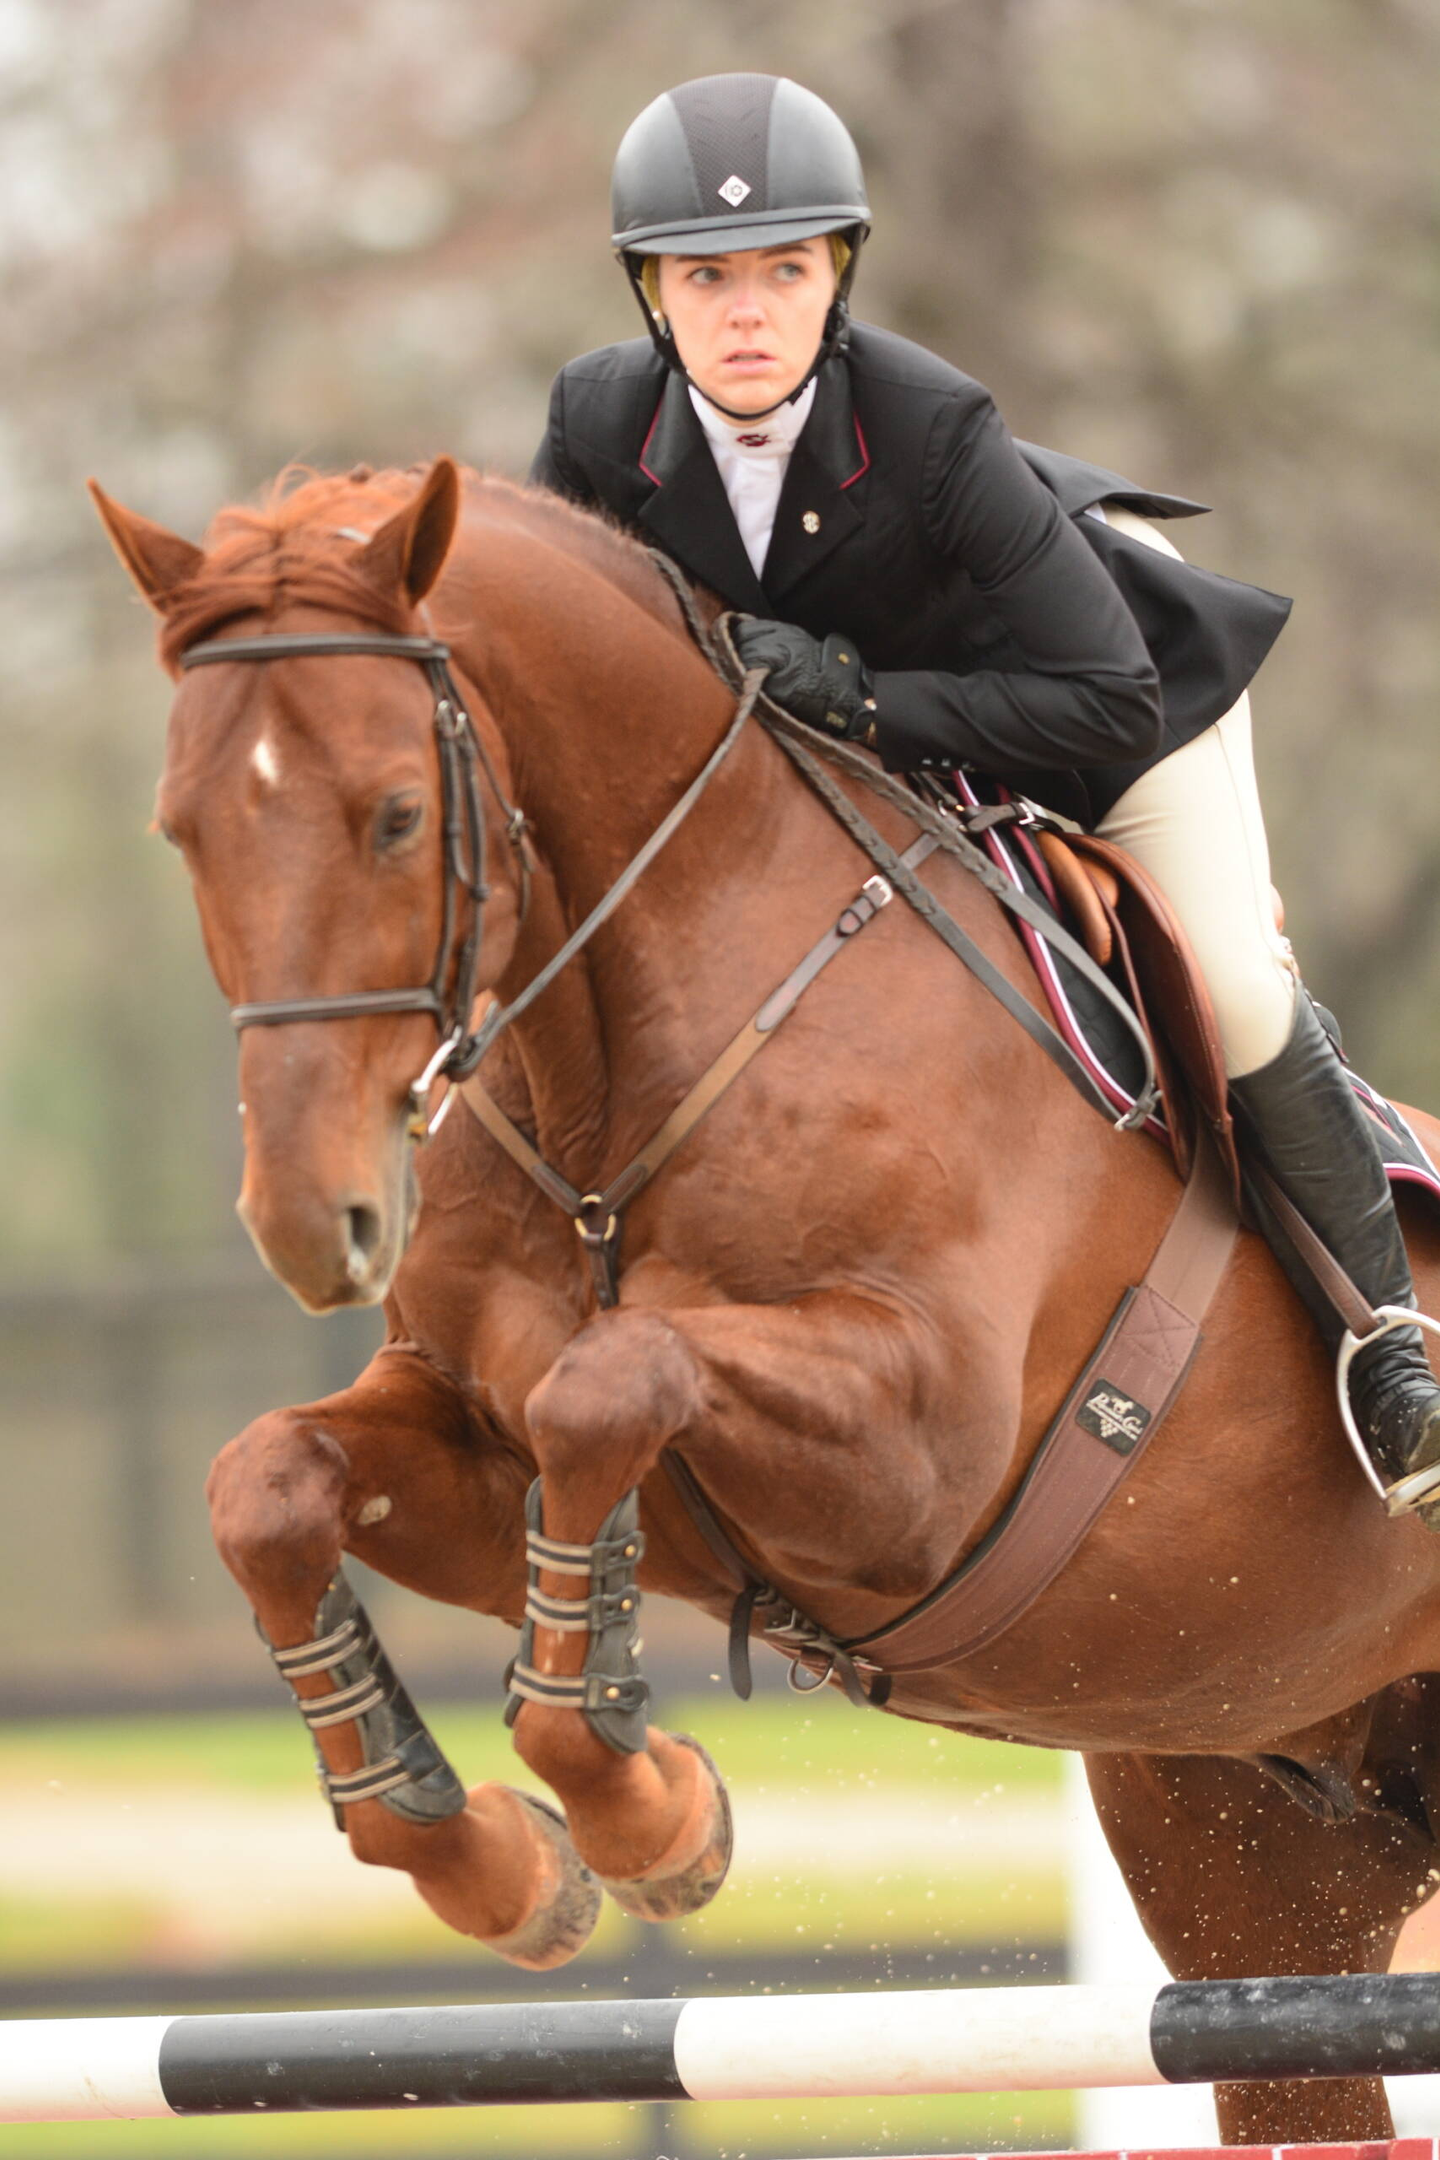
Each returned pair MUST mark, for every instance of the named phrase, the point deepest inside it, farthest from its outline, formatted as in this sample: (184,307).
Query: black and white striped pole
(947,2040)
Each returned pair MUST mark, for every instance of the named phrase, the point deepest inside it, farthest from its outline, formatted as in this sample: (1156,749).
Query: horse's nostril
(365,1228)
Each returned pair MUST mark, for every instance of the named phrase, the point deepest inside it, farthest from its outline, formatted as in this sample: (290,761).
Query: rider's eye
(397,820)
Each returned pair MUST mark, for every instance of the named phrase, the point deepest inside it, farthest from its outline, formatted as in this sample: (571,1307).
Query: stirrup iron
(1417,1486)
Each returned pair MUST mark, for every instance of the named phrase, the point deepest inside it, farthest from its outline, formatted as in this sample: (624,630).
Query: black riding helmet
(732,162)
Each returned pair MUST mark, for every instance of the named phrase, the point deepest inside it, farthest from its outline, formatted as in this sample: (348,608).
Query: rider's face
(749,325)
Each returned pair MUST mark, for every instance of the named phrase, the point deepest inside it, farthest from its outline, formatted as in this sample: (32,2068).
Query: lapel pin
(811,521)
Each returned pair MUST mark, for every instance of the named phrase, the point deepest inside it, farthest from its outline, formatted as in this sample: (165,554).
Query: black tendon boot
(1302,1116)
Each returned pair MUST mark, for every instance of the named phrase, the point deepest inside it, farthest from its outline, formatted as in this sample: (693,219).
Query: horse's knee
(618,1392)
(276,1495)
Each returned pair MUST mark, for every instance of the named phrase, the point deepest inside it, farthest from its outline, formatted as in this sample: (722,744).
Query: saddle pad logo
(734,190)
(1116,1419)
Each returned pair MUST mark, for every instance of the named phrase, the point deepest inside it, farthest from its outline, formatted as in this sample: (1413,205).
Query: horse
(849,1305)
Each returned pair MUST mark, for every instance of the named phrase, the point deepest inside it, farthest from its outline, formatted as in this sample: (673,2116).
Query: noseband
(462,758)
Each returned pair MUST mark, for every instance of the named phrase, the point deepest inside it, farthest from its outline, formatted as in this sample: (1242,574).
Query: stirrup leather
(1417,1486)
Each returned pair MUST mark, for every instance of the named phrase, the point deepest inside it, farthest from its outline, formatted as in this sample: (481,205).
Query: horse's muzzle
(330,1246)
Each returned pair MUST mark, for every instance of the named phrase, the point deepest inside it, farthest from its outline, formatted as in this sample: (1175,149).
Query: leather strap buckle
(876,892)
(591,1205)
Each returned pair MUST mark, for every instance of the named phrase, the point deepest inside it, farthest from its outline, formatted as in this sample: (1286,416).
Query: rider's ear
(408,553)
(157,560)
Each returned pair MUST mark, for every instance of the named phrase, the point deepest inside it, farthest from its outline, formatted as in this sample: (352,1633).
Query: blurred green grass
(720,2130)
(773,1742)
(770,1750)
(877,1895)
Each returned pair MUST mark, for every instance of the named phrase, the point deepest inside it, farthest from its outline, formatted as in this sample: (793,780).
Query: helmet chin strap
(835,339)
(730,411)
(830,343)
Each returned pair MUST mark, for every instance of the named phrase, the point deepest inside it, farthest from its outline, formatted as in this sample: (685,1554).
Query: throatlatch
(609,1688)
(403,1767)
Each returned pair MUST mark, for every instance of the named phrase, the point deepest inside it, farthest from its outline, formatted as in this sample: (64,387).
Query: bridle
(598,1215)
(462,757)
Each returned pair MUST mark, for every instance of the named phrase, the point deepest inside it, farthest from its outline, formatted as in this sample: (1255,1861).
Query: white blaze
(265,762)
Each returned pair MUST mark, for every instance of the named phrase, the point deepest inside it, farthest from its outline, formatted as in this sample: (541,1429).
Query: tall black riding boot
(1301,1115)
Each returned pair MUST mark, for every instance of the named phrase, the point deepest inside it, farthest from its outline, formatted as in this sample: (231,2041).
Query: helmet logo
(734,190)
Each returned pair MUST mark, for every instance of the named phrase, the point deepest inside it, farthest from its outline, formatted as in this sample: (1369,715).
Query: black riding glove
(827,686)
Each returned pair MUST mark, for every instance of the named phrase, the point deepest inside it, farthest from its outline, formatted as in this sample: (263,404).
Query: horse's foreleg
(394,1469)
(1232,1880)
(776,1405)
(646,1808)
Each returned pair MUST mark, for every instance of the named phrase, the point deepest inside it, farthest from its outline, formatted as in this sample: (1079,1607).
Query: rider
(854,495)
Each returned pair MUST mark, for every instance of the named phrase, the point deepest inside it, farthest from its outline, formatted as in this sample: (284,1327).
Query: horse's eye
(397,820)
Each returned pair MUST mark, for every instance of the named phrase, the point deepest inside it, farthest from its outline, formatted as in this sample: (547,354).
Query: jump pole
(946,2040)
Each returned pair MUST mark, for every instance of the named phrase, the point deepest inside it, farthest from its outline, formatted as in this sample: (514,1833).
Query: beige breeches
(1194,823)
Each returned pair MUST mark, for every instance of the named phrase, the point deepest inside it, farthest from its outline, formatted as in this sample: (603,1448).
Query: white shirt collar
(774,436)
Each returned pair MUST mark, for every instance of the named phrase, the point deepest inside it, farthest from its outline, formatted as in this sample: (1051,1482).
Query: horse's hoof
(567,1905)
(688,1875)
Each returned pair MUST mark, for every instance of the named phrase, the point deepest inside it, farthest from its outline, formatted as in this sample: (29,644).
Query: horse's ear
(408,553)
(157,560)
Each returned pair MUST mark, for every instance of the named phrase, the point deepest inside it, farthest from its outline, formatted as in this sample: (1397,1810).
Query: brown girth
(1091,1447)
(1108,1420)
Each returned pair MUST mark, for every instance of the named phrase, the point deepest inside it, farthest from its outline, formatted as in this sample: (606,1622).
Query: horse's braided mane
(289,549)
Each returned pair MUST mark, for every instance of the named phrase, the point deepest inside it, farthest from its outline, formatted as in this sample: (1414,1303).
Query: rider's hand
(826,685)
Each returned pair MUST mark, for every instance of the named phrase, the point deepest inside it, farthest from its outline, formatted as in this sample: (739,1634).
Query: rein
(598,1215)
(947,832)
(462,757)
(500,1016)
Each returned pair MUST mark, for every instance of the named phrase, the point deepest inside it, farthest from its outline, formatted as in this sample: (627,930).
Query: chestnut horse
(850,1304)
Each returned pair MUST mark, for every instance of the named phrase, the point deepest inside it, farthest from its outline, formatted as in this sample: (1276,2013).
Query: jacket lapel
(823,497)
(688,512)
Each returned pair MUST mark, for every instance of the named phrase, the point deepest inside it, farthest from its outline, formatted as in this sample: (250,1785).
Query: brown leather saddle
(1126,925)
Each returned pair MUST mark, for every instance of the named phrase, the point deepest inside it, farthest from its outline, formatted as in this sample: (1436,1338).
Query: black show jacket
(959,561)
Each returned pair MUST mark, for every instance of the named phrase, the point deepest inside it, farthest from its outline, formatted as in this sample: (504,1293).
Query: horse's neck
(607,715)
(559,1046)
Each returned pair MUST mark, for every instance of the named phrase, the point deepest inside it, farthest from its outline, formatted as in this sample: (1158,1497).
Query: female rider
(854,495)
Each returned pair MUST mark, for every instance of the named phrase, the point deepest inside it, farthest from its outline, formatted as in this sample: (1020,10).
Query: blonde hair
(840,254)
